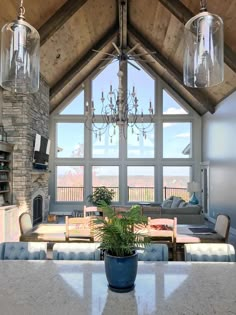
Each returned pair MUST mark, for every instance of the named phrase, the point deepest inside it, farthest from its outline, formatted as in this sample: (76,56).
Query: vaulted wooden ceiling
(70,29)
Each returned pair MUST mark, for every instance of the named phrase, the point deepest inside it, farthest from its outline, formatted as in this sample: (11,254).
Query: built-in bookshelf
(5,174)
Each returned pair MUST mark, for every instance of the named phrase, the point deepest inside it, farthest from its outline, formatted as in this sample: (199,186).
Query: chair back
(23,251)
(80,228)
(76,251)
(222,226)
(153,252)
(209,252)
(163,230)
(91,211)
(162,225)
(25,222)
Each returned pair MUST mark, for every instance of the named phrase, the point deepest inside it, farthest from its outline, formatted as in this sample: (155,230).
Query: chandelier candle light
(204,49)
(20,43)
(120,109)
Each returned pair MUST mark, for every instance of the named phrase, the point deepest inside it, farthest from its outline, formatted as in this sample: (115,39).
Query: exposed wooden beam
(87,57)
(59,18)
(183,14)
(165,63)
(122,7)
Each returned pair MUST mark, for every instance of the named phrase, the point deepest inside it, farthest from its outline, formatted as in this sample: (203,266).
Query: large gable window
(140,166)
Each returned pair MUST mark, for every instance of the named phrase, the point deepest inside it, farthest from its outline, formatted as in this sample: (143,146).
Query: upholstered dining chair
(222,226)
(26,225)
(23,251)
(164,231)
(153,252)
(76,251)
(209,252)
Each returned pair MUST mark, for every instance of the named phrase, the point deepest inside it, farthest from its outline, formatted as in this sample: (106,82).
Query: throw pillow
(166,203)
(176,202)
(182,204)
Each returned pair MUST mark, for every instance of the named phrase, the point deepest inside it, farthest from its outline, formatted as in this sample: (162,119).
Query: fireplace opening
(37,210)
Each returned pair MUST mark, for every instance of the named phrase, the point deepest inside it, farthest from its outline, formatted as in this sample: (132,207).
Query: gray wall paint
(219,148)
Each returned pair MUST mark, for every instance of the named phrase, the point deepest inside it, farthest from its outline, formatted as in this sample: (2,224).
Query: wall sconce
(20,43)
(204,49)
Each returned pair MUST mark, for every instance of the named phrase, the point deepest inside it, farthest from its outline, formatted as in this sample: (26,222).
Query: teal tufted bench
(23,251)
(209,252)
(76,251)
(153,252)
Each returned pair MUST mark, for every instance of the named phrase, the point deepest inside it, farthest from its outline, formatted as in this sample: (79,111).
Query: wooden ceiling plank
(165,63)
(59,18)
(183,14)
(88,56)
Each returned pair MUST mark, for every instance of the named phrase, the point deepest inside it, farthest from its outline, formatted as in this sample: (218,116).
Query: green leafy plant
(101,194)
(118,232)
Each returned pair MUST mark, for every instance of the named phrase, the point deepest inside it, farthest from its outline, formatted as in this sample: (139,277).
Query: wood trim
(82,62)
(183,14)
(165,63)
(59,18)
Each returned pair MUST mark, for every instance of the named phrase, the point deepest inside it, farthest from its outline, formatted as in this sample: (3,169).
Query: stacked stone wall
(23,117)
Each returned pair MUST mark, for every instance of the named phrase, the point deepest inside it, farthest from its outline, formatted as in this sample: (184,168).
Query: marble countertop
(68,287)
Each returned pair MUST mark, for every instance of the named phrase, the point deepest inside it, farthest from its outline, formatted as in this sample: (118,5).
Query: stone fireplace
(23,116)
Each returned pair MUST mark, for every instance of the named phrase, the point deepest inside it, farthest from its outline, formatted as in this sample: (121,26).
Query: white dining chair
(23,251)
(218,252)
(76,251)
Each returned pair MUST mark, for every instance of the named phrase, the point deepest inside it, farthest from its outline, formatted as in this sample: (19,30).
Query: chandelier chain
(203,5)
(21,13)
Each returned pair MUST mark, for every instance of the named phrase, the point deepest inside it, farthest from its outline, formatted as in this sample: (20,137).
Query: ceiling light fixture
(20,43)
(204,49)
(120,107)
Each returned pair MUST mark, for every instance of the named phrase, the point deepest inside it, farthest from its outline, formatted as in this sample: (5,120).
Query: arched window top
(105,80)
(171,106)
(144,86)
(76,106)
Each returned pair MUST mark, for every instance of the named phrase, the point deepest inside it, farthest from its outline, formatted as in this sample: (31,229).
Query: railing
(173,191)
(144,194)
(141,194)
(70,193)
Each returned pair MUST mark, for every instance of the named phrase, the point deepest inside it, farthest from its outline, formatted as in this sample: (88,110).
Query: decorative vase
(121,272)
(193,200)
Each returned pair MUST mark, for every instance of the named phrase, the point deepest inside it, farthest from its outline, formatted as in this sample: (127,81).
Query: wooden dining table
(80,288)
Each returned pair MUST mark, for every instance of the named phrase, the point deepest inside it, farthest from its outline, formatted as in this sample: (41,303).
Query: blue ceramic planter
(121,272)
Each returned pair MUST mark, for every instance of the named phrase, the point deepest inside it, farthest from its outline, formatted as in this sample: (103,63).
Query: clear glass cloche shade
(20,44)
(204,51)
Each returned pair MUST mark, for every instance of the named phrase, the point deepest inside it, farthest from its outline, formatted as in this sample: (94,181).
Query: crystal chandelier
(20,43)
(119,108)
(204,49)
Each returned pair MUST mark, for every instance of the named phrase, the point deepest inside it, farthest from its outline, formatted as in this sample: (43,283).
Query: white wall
(219,148)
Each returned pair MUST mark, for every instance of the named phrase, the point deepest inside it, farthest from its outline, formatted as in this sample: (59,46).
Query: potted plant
(119,236)
(100,194)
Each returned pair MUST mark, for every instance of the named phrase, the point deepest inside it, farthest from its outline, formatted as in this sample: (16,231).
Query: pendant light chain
(203,5)
(21,14)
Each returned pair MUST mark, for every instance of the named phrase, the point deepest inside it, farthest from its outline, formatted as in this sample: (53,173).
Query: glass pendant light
(20,43)
(204,50)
